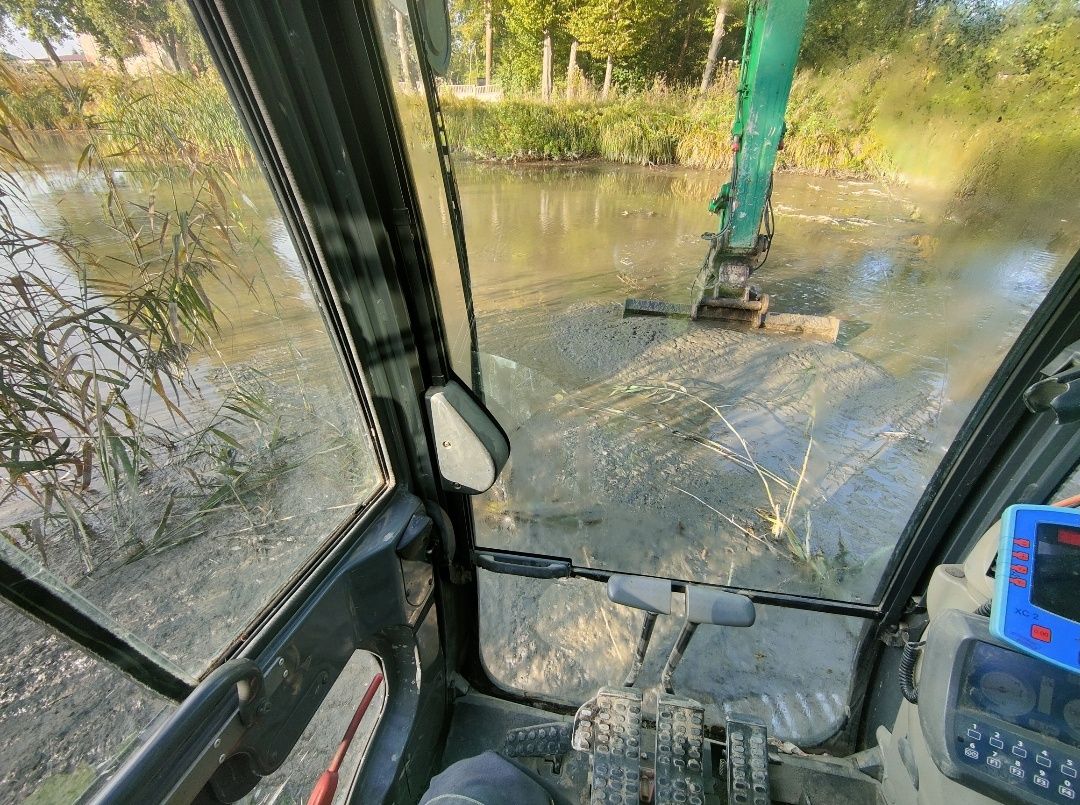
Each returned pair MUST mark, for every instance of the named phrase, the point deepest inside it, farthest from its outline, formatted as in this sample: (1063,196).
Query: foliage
(86,340)
(150,118)
(154,117)
(614,29)
(655,128)
(119,26)
(37,101)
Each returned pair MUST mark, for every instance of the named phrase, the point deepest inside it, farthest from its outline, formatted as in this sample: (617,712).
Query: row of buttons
(1019,571)
(1003,755)
(1042,758)
(996,761)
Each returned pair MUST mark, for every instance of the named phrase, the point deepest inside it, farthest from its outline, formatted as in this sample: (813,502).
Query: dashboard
(998,721)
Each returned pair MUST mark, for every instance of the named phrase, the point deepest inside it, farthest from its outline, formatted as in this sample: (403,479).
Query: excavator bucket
(741,313)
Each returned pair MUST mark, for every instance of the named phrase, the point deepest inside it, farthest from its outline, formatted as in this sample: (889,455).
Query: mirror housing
(434,17)
(470,446)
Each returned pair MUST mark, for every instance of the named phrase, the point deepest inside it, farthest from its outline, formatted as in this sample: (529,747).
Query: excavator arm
(774,31)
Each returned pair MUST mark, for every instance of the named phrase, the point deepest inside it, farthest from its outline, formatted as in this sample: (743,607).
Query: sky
(17,44)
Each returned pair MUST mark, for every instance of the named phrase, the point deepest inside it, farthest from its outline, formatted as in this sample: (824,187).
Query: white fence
(481,92)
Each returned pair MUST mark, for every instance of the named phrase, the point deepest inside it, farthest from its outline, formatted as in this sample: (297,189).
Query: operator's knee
(487,779)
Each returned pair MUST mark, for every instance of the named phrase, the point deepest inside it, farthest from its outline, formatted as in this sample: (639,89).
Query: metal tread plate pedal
(747,761)
(550,739)
(608,727)
(680,751)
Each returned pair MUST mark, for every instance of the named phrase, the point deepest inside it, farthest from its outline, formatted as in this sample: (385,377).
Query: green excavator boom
(774,32)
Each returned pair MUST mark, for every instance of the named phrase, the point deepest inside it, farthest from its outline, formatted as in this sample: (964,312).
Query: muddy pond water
(696,453)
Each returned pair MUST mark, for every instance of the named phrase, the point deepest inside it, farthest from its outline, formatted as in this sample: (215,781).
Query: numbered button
(1041,781)
(971,752)
(1068,793)
(974,735)
(1043,760)
(1017,771)
(1068,770)
(1019,751)
(996,742)
(994,762)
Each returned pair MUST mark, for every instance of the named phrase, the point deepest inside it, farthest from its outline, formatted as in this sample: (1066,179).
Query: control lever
(709,606)
(641,592)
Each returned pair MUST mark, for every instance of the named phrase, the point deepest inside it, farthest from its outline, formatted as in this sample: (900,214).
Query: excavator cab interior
(471,648)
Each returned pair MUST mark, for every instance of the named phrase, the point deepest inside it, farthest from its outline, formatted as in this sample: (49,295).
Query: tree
(714,46)
(43,21)
(612,29)
(532,22)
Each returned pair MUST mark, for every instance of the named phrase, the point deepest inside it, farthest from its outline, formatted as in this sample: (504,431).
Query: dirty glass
(180,434)
(1069,488)
(926,196)
(401,56)
(66,718)
(563,639)
(292,783)
(750,458)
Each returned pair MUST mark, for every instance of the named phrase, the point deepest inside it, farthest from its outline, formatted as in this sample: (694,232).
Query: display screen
(1022,691)
(1055,583)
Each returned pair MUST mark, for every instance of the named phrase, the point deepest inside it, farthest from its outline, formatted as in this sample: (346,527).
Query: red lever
(326,787)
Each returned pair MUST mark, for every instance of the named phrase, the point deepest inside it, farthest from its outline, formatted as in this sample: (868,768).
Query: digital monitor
(1036,604)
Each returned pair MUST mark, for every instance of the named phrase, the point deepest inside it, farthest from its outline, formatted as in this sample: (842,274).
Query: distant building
(67,58)
(151,57)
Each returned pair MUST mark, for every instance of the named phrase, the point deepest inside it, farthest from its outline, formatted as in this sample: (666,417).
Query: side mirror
(435,22)
(470,446)
(434,18)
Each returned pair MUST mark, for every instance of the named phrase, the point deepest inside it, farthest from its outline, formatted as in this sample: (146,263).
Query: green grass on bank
(153,118)
(991,109)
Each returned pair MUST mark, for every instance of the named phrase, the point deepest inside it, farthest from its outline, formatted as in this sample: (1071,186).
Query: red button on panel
(1021,543)
(1022,569)
(1023,556)
(1040,633)
(1017,582)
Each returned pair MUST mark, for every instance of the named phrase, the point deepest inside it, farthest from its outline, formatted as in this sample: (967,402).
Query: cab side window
(181,434)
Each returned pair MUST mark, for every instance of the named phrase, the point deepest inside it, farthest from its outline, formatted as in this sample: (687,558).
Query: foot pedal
(539,740)
(680,751)
(608,727)
(747,761)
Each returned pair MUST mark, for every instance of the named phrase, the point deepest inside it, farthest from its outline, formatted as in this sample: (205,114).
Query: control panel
(999,721)
(1036,606)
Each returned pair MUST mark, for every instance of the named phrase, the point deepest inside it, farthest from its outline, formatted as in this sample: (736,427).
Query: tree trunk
(183,59)
(571,71)
(714,48)
(403,50)
(168,46)
(547,67)
(488,50)
(607,78)
(50,51)
(690,13)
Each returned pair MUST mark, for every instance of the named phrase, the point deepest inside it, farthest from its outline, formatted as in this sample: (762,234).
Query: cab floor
(480,722)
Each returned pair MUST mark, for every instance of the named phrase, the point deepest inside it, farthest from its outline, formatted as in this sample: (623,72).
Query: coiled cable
(907,670)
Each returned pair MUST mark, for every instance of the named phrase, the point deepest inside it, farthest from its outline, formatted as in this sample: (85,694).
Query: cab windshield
(921,197)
